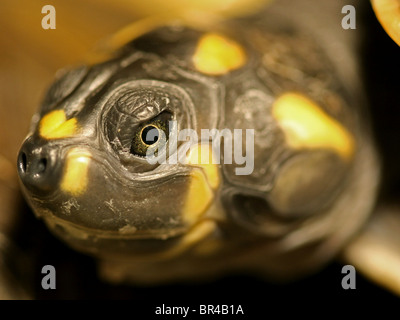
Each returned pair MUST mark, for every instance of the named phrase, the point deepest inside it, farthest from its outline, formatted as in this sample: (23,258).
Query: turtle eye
(151,136)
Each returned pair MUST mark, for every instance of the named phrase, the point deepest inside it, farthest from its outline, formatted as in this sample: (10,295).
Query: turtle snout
(37,168)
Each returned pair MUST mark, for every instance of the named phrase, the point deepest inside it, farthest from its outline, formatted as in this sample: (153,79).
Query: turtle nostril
(41,166)
(38,168)
(23,162)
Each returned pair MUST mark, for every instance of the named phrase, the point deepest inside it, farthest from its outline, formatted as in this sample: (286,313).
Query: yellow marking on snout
(217,55)
(202,182)
(75,177)
(306,125)
(55,125)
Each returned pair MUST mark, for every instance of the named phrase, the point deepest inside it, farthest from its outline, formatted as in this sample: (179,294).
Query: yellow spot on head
(201,155)
(217,55)
(75,176)
(55,125)
(202,183)
(306,125)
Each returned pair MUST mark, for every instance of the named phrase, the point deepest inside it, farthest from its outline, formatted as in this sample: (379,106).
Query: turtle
(313,182)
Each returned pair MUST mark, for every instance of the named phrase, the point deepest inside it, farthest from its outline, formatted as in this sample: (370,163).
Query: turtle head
(108,168)
(102,164)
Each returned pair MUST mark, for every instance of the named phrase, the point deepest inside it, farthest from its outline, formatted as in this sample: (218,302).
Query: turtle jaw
(131,244)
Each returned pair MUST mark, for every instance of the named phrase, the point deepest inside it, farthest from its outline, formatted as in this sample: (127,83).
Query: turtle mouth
(127,232)
(146,244)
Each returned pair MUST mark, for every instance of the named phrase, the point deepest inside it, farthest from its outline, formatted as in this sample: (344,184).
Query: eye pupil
(150,135)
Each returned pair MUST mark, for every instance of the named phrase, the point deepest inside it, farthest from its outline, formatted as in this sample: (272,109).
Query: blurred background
(29,59)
